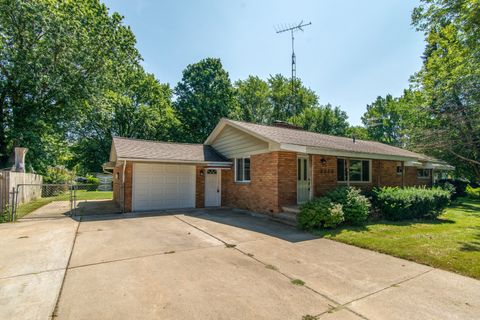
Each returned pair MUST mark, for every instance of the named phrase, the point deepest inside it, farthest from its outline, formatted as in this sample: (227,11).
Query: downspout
(403,174)
(123,185)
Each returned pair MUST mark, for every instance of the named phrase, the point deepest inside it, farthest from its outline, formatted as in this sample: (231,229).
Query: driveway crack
(336,305)
(55,309)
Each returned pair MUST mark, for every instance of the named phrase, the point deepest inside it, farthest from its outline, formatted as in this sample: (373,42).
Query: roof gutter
(209,163)
(339,153)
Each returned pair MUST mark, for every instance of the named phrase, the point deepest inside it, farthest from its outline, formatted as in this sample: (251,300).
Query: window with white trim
(242,170)
(423,173)
(353,170)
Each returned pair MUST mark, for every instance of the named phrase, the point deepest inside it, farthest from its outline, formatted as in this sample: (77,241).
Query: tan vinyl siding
(232,143)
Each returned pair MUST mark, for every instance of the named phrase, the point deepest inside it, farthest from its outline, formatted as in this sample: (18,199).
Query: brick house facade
(256,167)
(274,181)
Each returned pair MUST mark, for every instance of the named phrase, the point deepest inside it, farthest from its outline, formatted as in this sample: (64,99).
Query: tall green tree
(450,81)
(55,57)
(388,119)
(203,96)
(323,119)
(252,101)
(285,104)
(359,132)
(140,108)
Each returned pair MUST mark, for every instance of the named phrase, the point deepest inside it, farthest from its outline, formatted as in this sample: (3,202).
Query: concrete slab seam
(55,308)
(337,304)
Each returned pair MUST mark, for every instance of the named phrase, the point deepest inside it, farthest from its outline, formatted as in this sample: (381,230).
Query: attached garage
(163,186)
(152,175)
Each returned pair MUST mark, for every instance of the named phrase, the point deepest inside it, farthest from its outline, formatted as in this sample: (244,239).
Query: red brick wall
(287,178)
(324,175)
(124,200)
(128,186)
(385,173)
(411,178)
(273,184)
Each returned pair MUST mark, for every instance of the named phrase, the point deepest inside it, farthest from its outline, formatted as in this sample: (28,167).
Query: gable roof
(148,150)
(294,137)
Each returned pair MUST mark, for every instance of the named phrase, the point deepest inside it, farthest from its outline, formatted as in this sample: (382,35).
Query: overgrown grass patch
(450,242)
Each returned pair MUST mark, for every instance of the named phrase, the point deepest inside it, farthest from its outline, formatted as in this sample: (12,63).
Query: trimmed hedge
(411,203)
(320,212)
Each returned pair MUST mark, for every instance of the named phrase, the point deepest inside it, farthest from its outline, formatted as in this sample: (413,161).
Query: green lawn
(26,208)
(452,242)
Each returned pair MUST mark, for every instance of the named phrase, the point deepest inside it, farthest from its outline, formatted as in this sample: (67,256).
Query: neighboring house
(256,167)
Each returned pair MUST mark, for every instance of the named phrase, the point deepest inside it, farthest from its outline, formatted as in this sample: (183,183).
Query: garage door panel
(163,186)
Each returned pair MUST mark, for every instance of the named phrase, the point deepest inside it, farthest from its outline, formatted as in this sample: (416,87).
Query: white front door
(303,179)
(212,187)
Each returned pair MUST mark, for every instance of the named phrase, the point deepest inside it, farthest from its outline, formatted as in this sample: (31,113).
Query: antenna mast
(292,30)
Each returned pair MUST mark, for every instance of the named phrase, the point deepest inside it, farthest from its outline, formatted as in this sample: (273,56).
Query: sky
(353,52)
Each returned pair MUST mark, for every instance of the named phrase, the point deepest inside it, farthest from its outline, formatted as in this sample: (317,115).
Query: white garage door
(163,186)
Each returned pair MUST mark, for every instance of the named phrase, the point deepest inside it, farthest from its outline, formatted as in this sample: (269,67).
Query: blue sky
(353,51)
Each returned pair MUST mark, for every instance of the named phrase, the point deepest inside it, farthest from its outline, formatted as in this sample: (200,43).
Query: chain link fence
(33,201)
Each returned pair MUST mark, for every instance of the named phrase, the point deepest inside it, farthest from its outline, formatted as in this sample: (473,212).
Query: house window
(353,170)
(423,173)
(242,170)
(341,170)
(399,168)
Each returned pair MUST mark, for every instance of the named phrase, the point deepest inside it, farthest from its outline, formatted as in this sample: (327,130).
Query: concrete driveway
(211,264)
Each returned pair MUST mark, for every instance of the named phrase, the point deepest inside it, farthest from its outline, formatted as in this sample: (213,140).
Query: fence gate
(34,201)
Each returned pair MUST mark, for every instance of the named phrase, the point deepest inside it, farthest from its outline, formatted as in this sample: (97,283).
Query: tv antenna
(293,29)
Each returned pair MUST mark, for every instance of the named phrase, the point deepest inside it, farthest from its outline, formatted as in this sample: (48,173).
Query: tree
(252,101)
(55,57)
(359,132)
(203,96)
(322,119)
(384,120)
(450,81)
(141,108)
(284,104)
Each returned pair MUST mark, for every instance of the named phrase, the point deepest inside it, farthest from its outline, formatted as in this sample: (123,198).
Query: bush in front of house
(356,206)
(320,212)
(411,203)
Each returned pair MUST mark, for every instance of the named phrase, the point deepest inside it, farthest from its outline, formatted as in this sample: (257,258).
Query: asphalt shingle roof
(313,139)
(156,150)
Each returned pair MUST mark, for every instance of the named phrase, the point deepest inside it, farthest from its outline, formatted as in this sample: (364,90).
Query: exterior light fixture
(323,161)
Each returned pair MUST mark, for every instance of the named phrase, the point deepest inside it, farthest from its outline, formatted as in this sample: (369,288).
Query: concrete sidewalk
(211,264)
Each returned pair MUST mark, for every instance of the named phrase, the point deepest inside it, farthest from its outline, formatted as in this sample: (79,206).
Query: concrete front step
(285,217)
(292,209)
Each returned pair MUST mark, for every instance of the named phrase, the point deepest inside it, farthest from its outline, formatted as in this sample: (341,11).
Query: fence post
(12,206)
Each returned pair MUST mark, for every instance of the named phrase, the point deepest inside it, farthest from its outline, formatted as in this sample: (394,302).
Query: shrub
(472,192)
(407,203)
(58,175)
(320,212)
(93,183)
(355,205)
(459,186)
